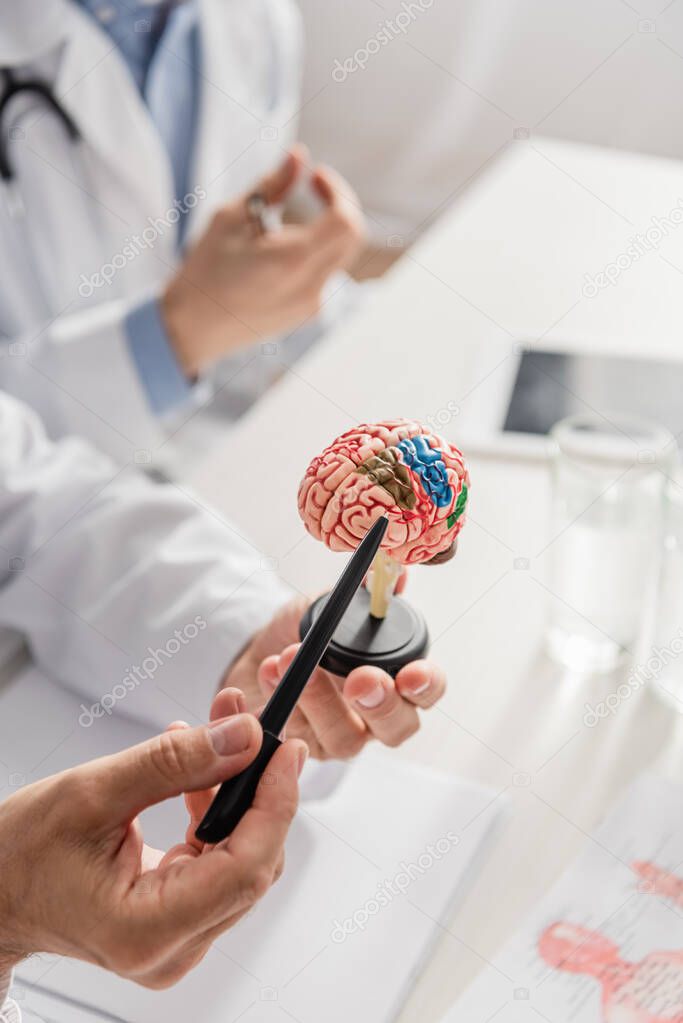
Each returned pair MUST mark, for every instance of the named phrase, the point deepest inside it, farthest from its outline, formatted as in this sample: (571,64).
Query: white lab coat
(73,207)
(129,593)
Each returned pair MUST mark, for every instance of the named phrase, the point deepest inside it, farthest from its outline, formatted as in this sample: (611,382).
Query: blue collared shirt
(160,44)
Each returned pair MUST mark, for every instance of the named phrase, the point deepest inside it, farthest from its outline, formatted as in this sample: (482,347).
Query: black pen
(236,795)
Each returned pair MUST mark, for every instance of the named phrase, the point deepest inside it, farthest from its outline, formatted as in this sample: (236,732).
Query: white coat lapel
(96,88)
(127,176)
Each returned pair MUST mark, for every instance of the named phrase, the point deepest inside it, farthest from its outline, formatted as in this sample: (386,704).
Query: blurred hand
(335,717)
(237,287)
(77,879)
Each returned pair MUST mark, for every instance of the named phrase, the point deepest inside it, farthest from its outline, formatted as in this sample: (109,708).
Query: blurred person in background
(131,263)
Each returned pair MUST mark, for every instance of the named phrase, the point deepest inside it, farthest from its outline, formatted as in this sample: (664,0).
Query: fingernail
(230,736)
(420,689)
(373,698)
(303,757)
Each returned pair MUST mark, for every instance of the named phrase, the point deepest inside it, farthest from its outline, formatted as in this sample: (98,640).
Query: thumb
(168,765)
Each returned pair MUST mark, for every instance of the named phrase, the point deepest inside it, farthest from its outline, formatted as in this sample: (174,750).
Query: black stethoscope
(13,87)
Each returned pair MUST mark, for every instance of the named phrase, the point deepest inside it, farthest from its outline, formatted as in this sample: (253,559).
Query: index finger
(343,208)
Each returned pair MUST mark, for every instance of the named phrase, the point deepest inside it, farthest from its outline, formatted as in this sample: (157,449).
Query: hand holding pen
(103,896)
(247,279)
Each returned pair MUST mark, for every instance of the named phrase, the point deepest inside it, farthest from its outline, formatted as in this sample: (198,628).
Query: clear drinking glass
(608,485)
(662,664)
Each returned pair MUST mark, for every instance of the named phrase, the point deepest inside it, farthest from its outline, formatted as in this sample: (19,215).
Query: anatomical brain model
(398,468)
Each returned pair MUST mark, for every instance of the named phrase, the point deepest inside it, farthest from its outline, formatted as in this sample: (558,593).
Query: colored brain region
(398,468)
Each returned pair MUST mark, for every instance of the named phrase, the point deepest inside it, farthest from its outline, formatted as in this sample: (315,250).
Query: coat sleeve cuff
(9,1010)
(165,383)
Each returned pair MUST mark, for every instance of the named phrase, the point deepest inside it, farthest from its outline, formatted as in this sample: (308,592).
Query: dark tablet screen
(550,386)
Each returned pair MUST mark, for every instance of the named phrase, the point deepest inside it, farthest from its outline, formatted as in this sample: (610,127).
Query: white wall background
(439,100)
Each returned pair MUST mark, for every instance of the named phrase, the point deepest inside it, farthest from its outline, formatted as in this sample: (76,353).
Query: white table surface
(507,262)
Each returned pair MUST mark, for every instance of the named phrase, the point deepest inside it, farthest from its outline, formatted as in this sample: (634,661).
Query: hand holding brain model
(400,469)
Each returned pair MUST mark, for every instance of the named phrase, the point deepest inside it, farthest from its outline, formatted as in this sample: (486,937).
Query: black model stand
(388,643)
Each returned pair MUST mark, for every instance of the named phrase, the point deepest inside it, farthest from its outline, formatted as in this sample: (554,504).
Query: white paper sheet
(373,865)
(606,944)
